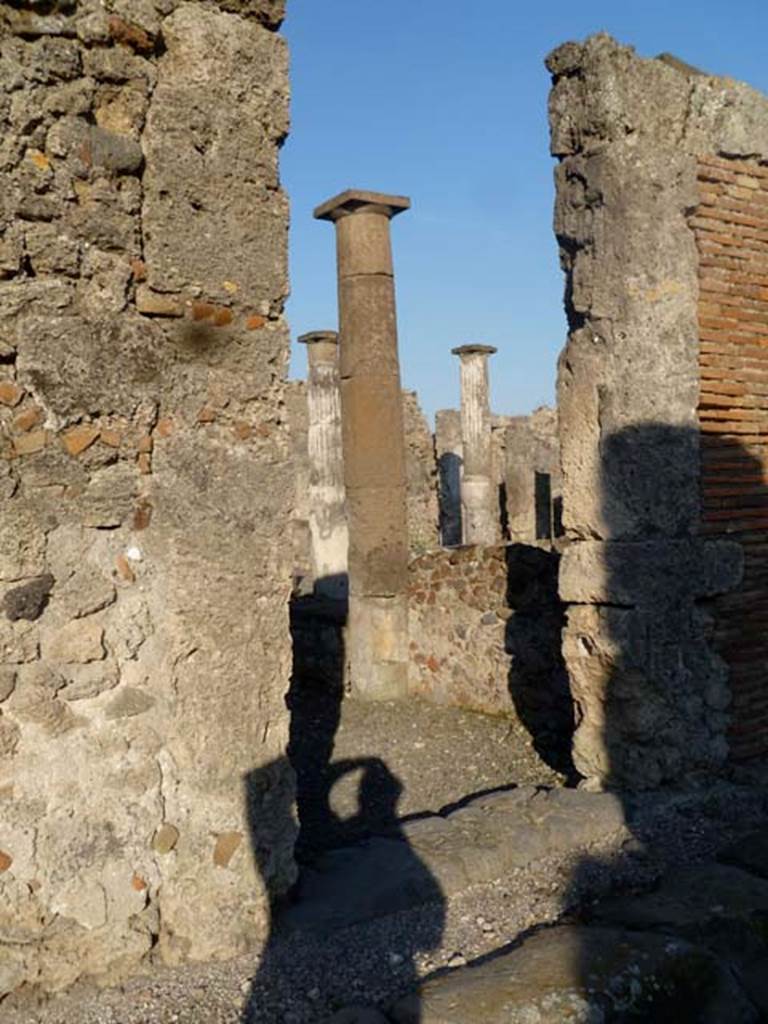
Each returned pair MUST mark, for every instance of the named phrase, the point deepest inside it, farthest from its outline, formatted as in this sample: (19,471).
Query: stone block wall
(639,576)
(145,800)
(484,626)
(421,477)
(731,229)
(530,460)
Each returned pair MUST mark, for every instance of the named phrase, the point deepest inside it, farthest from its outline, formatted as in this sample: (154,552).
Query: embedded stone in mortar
(128,703)
(165,838)
(29,600)
(225,848)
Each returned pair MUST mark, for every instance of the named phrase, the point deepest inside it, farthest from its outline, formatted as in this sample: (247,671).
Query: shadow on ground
(690,947)
(338,887)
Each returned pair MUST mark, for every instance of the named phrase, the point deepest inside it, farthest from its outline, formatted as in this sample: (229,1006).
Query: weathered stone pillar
(327,515)
(374,442)
(479,500)
(520,479)
(146,497)
(651,693)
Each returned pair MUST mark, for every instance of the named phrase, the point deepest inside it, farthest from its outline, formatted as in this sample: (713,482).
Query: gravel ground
(355,759)
(301,979)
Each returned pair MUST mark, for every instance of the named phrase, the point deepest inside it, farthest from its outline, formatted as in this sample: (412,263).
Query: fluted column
(373,442)
(479,497)
(327,514)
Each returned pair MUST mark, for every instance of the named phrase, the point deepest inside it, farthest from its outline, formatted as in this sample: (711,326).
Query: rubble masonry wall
(484,625)
(145,800)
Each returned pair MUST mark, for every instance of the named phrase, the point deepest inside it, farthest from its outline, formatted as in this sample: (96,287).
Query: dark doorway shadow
(538,682)
(353,868)
(449,478)
(503,512)
(314,699)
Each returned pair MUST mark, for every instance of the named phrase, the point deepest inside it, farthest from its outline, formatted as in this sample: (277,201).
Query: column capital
(361,201)
(316,337)
(322,348)
(474,350)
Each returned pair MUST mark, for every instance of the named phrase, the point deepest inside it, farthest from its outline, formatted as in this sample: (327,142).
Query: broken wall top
(628,132)
(82,17)
(604,93)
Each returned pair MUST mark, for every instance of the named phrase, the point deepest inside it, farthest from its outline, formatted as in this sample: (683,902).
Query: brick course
(731,229)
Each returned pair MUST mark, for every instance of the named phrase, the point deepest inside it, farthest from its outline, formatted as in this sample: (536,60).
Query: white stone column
(479,497)
(327,513)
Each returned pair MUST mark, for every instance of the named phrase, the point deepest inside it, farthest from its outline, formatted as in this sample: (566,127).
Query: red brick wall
(731,227)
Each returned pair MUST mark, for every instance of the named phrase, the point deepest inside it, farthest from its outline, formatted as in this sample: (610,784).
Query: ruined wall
(301,540)
(144,795)
(484,626)
(449,454)
(651,693)
(421,477)
(731,229)
(529,457)
(526,472)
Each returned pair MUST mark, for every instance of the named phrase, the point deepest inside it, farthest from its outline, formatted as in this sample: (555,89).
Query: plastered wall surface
(529,458)
(145,801)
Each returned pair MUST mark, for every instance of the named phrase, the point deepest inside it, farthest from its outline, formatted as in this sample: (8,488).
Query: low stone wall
(485,628)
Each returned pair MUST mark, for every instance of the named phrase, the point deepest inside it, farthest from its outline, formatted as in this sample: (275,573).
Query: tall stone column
(327,514)
(373,442)
(479,498)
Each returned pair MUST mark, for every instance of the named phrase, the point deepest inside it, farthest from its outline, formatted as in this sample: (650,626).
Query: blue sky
(445,101)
